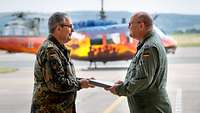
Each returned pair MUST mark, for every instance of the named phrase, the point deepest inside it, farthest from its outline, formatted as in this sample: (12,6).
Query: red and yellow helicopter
(101,42)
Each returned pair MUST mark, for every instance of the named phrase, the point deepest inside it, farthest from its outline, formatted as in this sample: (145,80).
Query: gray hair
(56,19)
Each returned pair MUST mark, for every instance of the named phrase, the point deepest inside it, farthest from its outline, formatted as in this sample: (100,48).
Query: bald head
(140,24)
(144,18)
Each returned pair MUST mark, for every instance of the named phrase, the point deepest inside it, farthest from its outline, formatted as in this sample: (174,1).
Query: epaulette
(50,45)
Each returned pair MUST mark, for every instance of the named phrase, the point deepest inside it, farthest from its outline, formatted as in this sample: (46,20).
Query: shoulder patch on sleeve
(50,45)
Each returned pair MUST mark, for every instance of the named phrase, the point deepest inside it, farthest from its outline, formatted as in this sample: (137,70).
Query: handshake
(91,82)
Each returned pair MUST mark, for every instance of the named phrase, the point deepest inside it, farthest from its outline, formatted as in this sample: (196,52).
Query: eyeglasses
(64,25)
(131,23)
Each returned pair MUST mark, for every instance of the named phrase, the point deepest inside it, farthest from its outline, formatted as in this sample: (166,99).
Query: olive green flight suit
(146,78)
(55,84)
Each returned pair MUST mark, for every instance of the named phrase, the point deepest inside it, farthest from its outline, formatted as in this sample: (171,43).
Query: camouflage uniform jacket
(55,84)
(146,78)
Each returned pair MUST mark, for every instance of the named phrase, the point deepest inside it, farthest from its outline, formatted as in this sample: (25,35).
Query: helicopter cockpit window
(97,40)
(16,30)
(109,39)
(115,38)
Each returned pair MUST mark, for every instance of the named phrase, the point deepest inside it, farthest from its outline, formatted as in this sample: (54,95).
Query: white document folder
(100,83)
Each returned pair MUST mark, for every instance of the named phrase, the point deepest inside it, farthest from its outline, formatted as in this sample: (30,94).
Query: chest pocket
(133,64)
(67,65)
(70,68)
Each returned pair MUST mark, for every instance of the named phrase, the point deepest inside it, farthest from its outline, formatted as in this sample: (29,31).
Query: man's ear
(142,26)
(58,28)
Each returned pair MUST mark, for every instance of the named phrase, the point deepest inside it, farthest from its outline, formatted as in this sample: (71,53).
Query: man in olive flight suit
(55,83)
(146,76)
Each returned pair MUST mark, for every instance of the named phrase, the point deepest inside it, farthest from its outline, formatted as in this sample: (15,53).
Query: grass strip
(187,40)
(7,69)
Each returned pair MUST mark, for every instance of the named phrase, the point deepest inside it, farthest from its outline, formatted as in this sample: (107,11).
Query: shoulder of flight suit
(150,53)
(149,50)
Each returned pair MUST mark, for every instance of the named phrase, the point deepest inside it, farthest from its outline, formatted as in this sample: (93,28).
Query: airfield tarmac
(183,83)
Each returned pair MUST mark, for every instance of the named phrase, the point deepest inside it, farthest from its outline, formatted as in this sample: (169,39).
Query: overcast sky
(151,6)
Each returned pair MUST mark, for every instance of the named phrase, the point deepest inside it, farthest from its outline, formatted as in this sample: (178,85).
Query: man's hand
(119,82)
(113,88)
(85,83)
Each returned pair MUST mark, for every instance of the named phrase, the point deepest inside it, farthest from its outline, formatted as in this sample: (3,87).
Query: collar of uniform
(53,39)
(60,46)
(146,37)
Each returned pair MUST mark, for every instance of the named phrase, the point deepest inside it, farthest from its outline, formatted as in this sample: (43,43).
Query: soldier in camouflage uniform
(55,83)
(146,76)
